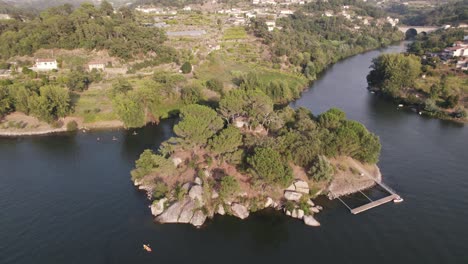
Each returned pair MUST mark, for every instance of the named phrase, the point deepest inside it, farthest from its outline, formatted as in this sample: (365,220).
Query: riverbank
(18,124)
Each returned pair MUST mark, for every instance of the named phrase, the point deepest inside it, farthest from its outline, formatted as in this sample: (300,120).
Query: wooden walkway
(373,204)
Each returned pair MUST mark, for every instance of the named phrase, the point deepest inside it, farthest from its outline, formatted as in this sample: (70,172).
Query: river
(69,198)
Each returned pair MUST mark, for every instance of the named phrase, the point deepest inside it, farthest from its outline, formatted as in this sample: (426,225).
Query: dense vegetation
(310,43)
(421,80)
(454,12)
(436,41)
(293,137)
(84,27)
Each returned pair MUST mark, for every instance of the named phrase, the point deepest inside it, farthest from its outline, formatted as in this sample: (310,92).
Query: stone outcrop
(220,210)
(198,218)
(239,210)
(292,195)
(172,213)
(301,187)
(187,212)
(158,207)
(269,202)
(196,193)
(310,221)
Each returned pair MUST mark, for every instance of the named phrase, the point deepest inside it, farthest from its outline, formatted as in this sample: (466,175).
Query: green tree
(121,86)
(321,169)
(215,85)
(229,187)
(130,109)
(5,101)
(198,124)
(268,166)
(226,141)
(52,103)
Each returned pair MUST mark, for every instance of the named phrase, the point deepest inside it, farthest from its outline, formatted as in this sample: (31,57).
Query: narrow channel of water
(69,199)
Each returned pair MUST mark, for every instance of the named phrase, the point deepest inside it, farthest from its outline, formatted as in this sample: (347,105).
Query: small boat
(400,105)
(398,200)
(114,138)
(134,133)
(420,113)
(147,248)
(98,139)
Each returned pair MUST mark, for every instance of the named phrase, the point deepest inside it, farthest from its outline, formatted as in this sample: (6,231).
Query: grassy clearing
(233,33)
(94,105)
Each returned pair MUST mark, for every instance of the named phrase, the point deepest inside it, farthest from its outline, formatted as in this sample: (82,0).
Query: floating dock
(391,197)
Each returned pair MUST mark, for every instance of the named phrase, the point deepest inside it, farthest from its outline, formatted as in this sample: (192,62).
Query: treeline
(454,12)
(294,136)
(436,41)
(36,98)
(311,43)
(399,75)
(360,7)
(86,27)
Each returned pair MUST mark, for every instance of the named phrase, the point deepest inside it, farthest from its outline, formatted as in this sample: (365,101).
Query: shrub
(72,125)
(160,190)
(229,187)
(186,68)
(321,170)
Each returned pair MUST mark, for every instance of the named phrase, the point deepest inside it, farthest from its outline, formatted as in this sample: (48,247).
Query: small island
(244,156)
(431,78)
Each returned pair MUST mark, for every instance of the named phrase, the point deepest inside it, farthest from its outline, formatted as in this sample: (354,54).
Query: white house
(5,17)
(271,25)
(98,65)
(456,51)
(46,64)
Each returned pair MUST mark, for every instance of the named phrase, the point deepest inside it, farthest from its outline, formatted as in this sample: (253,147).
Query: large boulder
(292,196)
(294,213)
(239,210)
(198,218)
(301,186)
(187,212)
(310,221)
(198,181)
(300,213)
(220,210)
(158,207)
(176,161)
(269,202)
(196,193)
(171,215)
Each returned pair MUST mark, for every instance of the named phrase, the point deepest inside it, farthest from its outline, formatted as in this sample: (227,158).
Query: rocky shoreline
(192,207)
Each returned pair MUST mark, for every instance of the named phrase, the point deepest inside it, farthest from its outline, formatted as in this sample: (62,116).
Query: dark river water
(69,198)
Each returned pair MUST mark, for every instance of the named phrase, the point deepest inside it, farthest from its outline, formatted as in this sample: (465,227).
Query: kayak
(147,248)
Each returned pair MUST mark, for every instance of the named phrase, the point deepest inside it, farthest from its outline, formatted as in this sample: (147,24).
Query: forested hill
(86,27)
(449,13)
(310,41)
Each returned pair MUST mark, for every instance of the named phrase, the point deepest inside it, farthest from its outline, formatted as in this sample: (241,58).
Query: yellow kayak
(147,248)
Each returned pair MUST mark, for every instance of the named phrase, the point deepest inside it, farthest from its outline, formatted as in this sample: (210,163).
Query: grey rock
(310,202)
(292,196)
(171,215)
(314,209)
(198,181)
(239,210)
(300,213)
(269,202)
(301,186)
(310,221)
(220,210)
(196,193)
(214,194)
(187,212)
(158,207)
(198,218)
(294,213)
